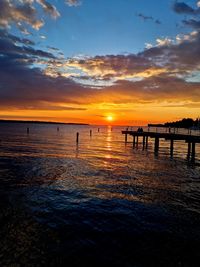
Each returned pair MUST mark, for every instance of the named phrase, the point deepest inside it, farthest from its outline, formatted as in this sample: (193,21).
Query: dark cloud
(192,23)
(183,8)
(9,45)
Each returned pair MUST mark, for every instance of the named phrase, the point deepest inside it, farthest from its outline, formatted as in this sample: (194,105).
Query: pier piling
(193,152)
(189,150)
(126,138)
(171,147)
(156,147)
(143,142)
(146,141)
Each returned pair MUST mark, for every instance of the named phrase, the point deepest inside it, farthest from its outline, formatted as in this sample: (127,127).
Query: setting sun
(109,118)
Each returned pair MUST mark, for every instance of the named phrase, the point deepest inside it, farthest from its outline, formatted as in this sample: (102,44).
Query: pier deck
(190,139)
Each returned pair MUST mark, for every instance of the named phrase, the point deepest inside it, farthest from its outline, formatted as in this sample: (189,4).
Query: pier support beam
(156,147)
(189,150)
(143,142)
(171,147)
(137,140)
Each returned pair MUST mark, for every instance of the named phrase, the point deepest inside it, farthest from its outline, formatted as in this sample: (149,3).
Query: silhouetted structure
(191,140)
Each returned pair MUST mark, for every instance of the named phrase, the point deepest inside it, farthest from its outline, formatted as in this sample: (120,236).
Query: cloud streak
(148,18)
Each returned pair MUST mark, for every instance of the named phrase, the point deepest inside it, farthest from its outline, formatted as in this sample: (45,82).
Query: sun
(109,118)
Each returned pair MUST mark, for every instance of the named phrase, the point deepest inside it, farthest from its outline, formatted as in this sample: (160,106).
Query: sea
(98,202)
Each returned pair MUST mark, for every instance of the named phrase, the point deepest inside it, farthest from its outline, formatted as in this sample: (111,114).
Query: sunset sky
(126,62)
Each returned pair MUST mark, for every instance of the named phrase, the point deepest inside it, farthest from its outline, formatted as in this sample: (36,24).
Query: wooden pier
(191,140)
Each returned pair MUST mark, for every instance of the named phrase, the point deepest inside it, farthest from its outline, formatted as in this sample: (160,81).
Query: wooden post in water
(156,147)
(27,130)
(189,150)
(126,138)
(193,152)
(58,129)
(90,133)
(77,137)
(134,141)
(146,141)
(171,147)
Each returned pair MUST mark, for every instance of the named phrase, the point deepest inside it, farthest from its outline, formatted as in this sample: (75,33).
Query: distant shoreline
(42,122)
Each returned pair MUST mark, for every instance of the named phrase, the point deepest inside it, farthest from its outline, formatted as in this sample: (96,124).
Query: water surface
(98,203)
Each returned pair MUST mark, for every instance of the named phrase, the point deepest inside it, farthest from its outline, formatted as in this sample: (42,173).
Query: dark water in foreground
(99,204)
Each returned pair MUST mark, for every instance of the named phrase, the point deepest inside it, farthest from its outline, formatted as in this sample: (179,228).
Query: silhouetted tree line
(184,123)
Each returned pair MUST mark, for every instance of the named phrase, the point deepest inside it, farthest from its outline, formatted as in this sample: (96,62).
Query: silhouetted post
(134,141)
(58,129)
(98,130)
(171,147)
(193,152)
(189,150)
(126,138)
(77,138)
(146,141)
(27,130)
(143,143)
(156,147)
(90,133)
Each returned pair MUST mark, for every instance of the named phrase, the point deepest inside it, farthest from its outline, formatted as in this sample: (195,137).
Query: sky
(120,62)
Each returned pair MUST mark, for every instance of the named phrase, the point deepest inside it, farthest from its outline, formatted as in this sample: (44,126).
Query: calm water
(101,203)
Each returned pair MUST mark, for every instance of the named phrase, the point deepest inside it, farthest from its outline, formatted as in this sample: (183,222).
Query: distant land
(41,122)
(184,123)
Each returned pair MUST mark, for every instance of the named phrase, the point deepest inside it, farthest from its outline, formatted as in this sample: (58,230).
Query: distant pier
(191,140)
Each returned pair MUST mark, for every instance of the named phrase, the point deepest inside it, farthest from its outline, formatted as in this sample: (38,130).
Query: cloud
(24,12)
(39,79)
(23,86)
(73,2)
(49,8)
(14,13)
(146,18)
